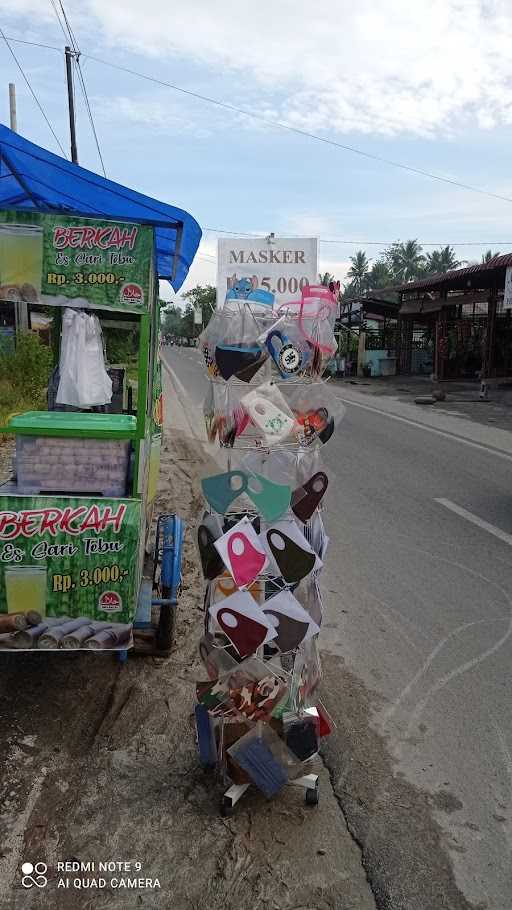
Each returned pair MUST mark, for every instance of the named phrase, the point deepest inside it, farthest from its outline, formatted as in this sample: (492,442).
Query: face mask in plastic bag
(242,553)
(292,623)
(269,411)
(243,621)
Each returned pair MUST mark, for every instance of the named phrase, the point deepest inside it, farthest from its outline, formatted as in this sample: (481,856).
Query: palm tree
(405,260)
(359,270)
(326,278)
(488,255)
(380,276)
(442,260)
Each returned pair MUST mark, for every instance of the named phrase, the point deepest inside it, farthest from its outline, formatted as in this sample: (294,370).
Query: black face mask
(294,562)
(211,561)
(233,359)
(290,632)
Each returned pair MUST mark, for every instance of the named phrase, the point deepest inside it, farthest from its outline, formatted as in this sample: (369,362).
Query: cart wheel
(226,807)
(122,656)
(312,796)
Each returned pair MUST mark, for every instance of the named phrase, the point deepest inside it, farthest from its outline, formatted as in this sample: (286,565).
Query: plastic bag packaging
(310,597)
(270,412)
(230,346)
(316,408)
(209,413)
(265,758)
(84,381)
(223,413)
(302,733)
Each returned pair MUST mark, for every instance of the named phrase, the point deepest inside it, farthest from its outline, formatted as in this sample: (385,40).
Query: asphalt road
(417,646)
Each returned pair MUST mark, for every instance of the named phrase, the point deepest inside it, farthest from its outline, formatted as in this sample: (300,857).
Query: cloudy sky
(426,83)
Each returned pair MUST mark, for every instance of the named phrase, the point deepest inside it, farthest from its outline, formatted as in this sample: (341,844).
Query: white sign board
(507,298)
(282,265)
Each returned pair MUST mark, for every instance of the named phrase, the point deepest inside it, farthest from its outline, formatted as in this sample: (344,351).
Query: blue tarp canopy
(33,179)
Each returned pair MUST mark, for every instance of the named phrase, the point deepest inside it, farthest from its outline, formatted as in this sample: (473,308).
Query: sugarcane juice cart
(77,508)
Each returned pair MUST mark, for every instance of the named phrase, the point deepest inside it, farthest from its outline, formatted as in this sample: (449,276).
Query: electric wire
(32,92)
(70,35)
(295,129)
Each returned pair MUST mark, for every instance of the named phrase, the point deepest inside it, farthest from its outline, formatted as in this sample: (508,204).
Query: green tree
(405,260)
(172,320)
(441,260)
(359,271)
(488,255)
(380,276)
(204,296)
(325,278)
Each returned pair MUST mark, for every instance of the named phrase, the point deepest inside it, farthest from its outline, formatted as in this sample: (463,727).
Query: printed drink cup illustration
(21,261)
(25,588)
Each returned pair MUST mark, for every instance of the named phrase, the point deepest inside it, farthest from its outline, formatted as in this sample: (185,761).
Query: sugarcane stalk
(109,638)
(52,638)
(77,638)
(12,622)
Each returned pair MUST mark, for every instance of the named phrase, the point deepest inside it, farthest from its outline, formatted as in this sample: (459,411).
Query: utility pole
(20,308)
(71,103)
(12,107)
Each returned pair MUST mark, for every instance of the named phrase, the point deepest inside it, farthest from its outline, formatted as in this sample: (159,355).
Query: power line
(50,47)
(292,129)
(32,92)
(89,112)
(295,129)
(55,10)
(436,243)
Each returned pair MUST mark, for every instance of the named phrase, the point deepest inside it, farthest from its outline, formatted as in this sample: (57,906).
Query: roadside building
(457,325)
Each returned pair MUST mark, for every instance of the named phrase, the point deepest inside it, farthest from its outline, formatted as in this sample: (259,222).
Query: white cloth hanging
(84,381)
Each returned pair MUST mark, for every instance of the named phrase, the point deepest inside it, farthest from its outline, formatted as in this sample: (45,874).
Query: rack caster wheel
(226,807)
(312,796)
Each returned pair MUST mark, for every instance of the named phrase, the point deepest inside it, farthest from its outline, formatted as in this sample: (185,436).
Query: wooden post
(488,360)
(12,107)
(360,353)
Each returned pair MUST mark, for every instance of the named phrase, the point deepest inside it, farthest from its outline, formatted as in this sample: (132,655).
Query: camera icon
(34,875)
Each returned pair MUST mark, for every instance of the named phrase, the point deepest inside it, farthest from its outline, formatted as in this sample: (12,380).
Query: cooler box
(73,452)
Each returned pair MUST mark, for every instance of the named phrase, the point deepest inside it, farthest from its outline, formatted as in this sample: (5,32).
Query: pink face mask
(246,560)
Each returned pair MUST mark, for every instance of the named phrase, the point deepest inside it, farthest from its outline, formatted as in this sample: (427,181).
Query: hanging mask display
(262,546)
(307,498)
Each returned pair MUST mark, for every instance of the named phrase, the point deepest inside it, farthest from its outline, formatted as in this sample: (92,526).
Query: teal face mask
(222,489)
(271,499)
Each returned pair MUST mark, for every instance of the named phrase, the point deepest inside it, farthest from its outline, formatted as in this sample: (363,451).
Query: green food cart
(85,254)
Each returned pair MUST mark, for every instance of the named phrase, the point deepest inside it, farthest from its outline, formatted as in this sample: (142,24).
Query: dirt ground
(99,764)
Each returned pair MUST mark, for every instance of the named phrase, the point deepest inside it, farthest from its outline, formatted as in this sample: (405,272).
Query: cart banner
(68,564)
(282,265)
(70,261)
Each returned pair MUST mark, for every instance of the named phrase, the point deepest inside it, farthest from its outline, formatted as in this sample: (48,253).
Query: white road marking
(474,519)
(489,450)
